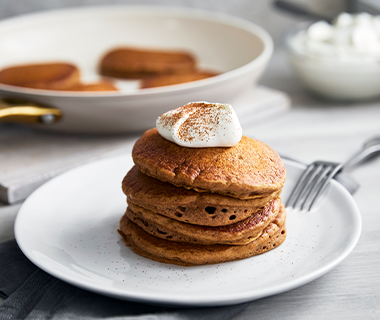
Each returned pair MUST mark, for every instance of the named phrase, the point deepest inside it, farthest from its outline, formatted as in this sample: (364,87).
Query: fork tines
(311,184)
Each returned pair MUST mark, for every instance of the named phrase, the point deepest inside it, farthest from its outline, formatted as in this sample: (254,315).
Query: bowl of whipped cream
(338,60)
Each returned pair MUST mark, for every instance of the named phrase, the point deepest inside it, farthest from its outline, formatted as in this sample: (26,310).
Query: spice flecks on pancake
(201,125)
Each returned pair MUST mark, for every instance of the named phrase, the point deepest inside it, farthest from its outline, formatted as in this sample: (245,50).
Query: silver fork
(318,174)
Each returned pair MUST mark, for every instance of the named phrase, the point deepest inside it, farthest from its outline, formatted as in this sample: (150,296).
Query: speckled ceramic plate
(68,227)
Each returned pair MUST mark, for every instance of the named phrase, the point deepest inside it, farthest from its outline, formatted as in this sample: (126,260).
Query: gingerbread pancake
(96,86)
(188,254)
(171,79)
(50,76)
(239,233)
(245,171)
(187,205)
(134,63)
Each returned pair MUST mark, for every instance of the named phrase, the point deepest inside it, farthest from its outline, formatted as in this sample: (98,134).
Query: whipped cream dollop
(201,124)
(351,37)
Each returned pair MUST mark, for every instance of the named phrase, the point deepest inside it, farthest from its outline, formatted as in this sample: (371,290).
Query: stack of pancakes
(195,206)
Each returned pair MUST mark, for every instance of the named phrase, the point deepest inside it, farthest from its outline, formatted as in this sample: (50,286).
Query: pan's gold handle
(19,111)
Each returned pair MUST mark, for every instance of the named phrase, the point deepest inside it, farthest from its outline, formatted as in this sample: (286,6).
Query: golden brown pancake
(134,63)
(51,76)
(167,80)
(187,205)
(244,171)
(239,233)
(187,254)
(98,86)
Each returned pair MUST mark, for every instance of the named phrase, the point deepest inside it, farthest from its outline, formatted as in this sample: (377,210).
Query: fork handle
(370,147)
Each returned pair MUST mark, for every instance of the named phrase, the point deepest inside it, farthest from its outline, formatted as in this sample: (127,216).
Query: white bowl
(237,48)
(333,78)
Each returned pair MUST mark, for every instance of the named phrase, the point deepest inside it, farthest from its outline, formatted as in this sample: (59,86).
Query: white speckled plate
(68,228)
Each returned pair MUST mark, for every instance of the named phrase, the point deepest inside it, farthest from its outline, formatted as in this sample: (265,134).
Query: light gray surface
(312,130)
(255,10)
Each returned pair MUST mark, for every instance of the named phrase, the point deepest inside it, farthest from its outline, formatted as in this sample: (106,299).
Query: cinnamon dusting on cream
(201,124)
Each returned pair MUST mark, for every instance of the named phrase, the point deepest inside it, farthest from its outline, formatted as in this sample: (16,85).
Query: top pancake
(243,171)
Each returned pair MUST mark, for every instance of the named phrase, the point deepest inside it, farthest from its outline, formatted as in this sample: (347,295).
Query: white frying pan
(237,48)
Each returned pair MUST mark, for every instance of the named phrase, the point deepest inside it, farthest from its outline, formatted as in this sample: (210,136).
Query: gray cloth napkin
(30,293)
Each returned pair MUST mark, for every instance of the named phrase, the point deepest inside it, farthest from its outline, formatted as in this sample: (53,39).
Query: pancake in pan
(171,79)
(135,63)
(50,76)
